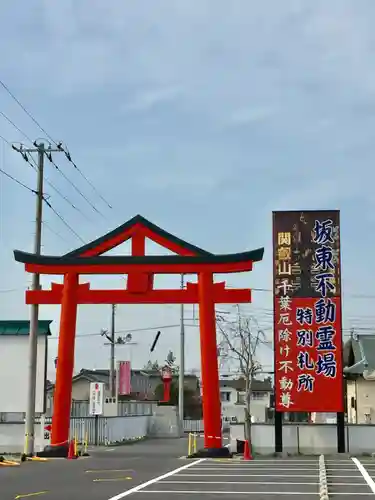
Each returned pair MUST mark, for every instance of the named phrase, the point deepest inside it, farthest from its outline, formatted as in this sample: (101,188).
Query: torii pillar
(209,363)
(65,365)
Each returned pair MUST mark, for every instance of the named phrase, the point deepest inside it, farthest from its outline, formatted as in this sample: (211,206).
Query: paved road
(155,470)
(99,477)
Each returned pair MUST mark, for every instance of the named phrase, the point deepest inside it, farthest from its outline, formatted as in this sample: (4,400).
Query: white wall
(12,438)
(14,352)
(231,408)
(307,439)
(363,391)
(164,422)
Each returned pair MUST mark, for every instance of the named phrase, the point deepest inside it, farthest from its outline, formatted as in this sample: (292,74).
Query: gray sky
(203,116)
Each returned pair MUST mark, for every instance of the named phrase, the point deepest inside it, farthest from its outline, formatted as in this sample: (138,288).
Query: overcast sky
(201,115)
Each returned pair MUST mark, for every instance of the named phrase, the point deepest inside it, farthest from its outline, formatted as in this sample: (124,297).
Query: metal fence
(125,408)
(193,426)
(198,425)
(105,430)
(81,409)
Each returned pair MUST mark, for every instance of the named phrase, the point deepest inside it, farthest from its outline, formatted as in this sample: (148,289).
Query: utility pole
(182,366)
(112,383)
(34,315)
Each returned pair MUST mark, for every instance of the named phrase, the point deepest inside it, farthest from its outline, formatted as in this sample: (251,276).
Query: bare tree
(242,338)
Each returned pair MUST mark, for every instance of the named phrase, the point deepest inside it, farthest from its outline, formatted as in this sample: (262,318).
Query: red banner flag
(124,378)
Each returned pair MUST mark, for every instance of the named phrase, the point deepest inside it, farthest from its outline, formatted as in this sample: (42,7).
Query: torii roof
(91,254)
(126,231)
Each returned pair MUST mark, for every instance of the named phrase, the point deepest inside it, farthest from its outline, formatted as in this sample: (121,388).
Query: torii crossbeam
(140,270)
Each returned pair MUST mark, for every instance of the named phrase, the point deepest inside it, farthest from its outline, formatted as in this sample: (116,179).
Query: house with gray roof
(359,371)
(232,396)
(143,385)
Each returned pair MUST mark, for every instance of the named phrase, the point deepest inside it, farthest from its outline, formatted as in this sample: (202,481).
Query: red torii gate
(140,269)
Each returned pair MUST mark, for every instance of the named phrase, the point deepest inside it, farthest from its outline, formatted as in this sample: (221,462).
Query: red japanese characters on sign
(307,312)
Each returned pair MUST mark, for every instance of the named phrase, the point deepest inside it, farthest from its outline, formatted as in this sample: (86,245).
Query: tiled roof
(22,327)
(240,384)
(145,378)
(359,354)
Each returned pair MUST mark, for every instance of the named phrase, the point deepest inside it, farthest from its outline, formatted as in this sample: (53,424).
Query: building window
(225,397)
(240,398)
(257,395)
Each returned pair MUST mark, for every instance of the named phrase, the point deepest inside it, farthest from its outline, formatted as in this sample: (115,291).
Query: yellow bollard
(85,445)
(189,444)
(26,444)
(195,444)
(75,447)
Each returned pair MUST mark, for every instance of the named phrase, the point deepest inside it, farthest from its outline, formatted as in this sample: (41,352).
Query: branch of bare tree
(243,338)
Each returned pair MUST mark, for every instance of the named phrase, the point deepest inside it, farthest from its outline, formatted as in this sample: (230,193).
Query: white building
(14,360)
(359,361)
(232,395)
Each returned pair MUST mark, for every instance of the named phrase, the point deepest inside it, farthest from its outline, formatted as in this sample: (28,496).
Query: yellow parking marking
(127,478)
(27,495)
(108,470)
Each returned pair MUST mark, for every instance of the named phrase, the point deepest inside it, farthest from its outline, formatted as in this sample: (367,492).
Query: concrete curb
(323,487)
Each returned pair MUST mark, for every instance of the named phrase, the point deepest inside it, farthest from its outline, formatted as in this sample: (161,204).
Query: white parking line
(268,461)
(190,492)
(140,487)
(241,482)
(231,493)
(202,474)
(267,475)
(270,470)
(365,474)
(256,463)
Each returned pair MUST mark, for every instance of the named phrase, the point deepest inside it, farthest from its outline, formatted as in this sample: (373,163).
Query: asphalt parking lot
(103,475)
(345,479)
(265,479)
(261,479)
(155,469)
(350,478)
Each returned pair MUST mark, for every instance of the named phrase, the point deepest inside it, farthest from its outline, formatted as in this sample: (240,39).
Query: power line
(27,158)
(69,158)
(15,126)
(58,145)
(49,156)
(20,183)
(63,220)
(26,111)
(351,295)
(132,330)
(5,140)
(49,227)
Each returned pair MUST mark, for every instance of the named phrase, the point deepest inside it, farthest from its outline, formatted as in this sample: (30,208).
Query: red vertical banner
(124,378)
(307,312)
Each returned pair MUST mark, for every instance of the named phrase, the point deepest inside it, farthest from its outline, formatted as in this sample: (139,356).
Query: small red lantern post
(166,376)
